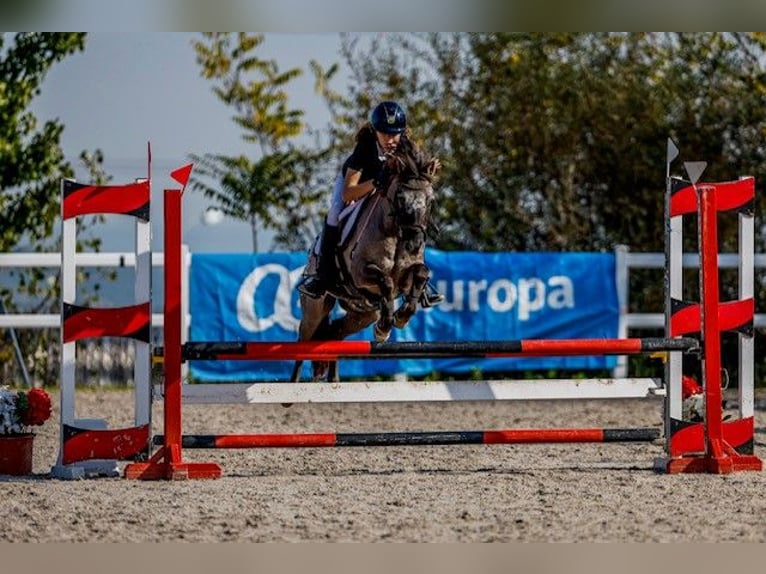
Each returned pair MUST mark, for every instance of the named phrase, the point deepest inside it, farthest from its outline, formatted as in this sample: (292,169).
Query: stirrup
(431,299)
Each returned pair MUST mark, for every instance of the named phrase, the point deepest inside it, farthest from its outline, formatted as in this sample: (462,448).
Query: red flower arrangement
(20,410)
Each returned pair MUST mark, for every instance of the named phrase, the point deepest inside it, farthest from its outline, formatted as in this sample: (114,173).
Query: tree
(281,188)
(31,161)
(38,290)
(557,141)
(32,166)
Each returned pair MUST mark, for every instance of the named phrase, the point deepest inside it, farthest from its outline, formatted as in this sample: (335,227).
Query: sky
(130,88)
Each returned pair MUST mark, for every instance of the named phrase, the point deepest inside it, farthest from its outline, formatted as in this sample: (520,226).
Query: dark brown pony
(379,261)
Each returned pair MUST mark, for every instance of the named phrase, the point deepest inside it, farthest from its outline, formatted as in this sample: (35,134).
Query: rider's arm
(352,189)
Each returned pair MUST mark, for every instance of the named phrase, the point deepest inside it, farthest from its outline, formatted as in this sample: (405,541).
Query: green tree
(32,166)
(280,187)
(557,141)
(31,161)
(38,290)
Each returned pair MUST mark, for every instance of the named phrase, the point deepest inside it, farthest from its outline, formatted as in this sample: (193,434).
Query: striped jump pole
(335,350)
(432,438)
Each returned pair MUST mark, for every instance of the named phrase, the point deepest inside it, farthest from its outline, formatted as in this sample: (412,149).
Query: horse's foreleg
(385,283)
(352,322)
(420,278)
(382,329)
(404,313)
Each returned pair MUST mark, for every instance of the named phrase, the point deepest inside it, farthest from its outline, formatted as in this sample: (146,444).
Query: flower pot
(16,454)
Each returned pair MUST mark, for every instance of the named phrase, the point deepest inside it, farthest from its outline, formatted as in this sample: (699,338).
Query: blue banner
(489,296)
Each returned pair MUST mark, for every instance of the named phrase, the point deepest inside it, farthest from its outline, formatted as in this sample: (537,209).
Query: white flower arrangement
(9,422)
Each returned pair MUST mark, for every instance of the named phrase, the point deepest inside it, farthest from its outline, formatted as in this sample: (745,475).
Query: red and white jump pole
(510,436)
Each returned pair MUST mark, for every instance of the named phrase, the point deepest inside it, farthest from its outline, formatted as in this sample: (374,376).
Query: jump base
(167,464)
(183,471)
(720,458)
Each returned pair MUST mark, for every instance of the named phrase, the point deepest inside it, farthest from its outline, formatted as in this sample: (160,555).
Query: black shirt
(366,158)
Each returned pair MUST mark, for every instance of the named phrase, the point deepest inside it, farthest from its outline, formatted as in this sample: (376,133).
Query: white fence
(625,261)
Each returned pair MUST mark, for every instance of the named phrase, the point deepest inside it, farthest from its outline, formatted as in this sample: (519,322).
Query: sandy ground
(465,493)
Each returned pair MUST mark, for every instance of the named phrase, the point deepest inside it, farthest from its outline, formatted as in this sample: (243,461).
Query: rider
(385,133)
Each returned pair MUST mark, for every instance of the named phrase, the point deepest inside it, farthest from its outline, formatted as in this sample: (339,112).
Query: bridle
(392,189)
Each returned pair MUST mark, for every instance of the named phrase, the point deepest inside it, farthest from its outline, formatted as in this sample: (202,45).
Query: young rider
(382,136)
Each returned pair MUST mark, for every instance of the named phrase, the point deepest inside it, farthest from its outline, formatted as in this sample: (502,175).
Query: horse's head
(408,180)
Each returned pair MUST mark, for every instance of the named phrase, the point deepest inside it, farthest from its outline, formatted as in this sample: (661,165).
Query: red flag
(181,175)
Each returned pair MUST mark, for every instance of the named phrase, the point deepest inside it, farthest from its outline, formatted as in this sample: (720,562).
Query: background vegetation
(549,141)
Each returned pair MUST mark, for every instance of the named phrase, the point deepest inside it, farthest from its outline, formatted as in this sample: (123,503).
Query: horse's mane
(409,162)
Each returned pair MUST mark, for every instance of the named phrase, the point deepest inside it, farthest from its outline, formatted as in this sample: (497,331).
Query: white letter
(474,288)
(563,295)
(508,300)
(282,316)
(457,295)
(526,302)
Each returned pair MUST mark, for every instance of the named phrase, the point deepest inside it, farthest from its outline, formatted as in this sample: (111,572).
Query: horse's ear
(433,167)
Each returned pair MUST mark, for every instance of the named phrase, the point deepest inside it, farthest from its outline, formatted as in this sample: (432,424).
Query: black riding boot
(430,296)
(316,285)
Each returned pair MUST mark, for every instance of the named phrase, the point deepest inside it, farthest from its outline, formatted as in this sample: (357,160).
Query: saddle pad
(348,217)
(346,220)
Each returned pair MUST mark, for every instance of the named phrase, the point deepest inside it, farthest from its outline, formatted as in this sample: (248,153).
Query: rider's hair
(366,136)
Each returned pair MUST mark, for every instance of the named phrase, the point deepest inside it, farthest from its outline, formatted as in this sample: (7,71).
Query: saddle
(347,223)
(350,218)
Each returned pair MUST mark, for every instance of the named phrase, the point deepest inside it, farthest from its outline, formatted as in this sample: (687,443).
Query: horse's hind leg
(314,318)
(319,370)
(296,376)
(314,326)
(352,322)
(333,375)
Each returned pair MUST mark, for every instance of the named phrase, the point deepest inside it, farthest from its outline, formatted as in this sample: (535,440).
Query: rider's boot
(430,296)
(315,286)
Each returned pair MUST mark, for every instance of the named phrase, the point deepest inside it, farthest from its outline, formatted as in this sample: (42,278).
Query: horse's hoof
(380,335)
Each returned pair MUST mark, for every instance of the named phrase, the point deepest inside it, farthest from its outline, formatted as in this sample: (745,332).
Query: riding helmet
(389,118)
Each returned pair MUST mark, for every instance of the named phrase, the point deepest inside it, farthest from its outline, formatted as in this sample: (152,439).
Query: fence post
(622,281)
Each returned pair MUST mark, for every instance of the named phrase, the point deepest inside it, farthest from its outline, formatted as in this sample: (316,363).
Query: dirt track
(536,493)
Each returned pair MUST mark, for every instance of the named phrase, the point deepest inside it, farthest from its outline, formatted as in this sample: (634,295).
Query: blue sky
(130,88)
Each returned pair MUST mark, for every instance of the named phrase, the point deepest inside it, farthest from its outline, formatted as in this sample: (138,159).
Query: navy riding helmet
(389,118)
